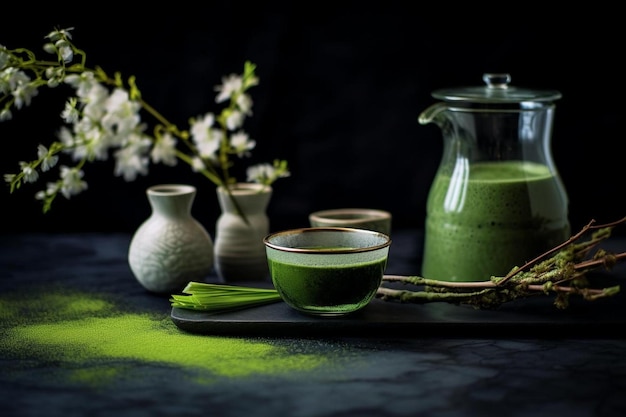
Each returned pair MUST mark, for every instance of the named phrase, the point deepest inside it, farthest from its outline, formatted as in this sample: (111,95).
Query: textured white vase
(239,249)
(170,248)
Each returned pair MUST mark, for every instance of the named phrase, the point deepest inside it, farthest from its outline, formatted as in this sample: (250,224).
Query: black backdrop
(340,91)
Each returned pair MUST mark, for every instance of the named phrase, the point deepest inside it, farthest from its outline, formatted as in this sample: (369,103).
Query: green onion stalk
(221,298)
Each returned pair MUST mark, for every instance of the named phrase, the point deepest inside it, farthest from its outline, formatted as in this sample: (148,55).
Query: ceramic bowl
(327,271)
(360,218)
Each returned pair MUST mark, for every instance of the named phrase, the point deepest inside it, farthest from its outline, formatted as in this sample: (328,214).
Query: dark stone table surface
(80,337)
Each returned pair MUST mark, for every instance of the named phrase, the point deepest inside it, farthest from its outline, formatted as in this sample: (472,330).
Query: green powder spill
(80,328)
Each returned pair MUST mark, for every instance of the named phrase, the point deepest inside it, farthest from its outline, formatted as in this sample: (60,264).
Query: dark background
(341,87)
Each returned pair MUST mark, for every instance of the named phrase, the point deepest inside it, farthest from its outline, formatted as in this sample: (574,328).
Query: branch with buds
(562,271)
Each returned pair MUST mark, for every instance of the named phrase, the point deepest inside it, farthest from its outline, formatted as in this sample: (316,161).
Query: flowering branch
(103,119)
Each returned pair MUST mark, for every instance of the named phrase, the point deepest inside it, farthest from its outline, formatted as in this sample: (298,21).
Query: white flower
(244,101)
(72,181)
(47,161)
(61,45)
(132,159)
(70,113)
(205,137)
(30,174)
(262,173)
(89,142)
(65,51)
(121,116)
(196,164)
(266,174)
(66,137)
(234,120)
(82,83)
(51,189)
(58,34)
(200,128)
(55,76)
(230,85)
(23,94)
(241,143)
(164,150)
(94,102)
(11,78)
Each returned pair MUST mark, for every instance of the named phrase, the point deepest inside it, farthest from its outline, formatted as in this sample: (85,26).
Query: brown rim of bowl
(365,214)
(326,251)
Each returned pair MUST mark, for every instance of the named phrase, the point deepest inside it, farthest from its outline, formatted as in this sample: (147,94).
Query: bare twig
(585,229)
(561,270)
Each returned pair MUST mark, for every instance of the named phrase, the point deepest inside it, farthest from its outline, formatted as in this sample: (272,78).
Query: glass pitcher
(497,200)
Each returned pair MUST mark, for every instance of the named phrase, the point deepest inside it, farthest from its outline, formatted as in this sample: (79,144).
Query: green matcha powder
(76,328)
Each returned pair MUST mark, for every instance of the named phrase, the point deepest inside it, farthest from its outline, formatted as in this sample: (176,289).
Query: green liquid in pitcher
(501,216)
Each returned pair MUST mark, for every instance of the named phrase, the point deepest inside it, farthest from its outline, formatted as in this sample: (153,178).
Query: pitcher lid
(496,90)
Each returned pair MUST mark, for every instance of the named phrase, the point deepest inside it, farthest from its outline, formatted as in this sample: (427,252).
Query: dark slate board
(536,317)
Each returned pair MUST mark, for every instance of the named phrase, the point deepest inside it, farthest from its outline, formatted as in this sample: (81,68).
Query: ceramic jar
(239,249)
(170,248)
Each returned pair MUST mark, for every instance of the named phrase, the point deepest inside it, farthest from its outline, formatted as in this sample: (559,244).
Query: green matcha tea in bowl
(497,200)
(327,271)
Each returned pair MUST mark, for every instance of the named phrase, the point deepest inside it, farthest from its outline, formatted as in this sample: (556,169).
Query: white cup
(358,218)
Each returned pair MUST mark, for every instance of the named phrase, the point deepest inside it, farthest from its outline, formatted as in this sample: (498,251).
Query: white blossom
(55,76)
(241,143)
(11,78)
(82,83)
(66,137)
(30,174)
(164,150)
(206,138)
(196,164)
(234,120)
(51,189)
(58,34)
(121,114)
(133,159)
(72,181)
(70,113)
(266,174)
(61,45)
(47,161)
(89,142)
(200,128)
(94,102)
(244,102)
(23,94)
(261,173)
(65,51)
(230,85)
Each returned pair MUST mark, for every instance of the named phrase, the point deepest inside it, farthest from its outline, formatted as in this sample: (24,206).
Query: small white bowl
(358,218)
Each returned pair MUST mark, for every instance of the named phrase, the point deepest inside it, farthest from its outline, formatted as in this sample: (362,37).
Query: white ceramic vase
(239,249)
(170,248)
